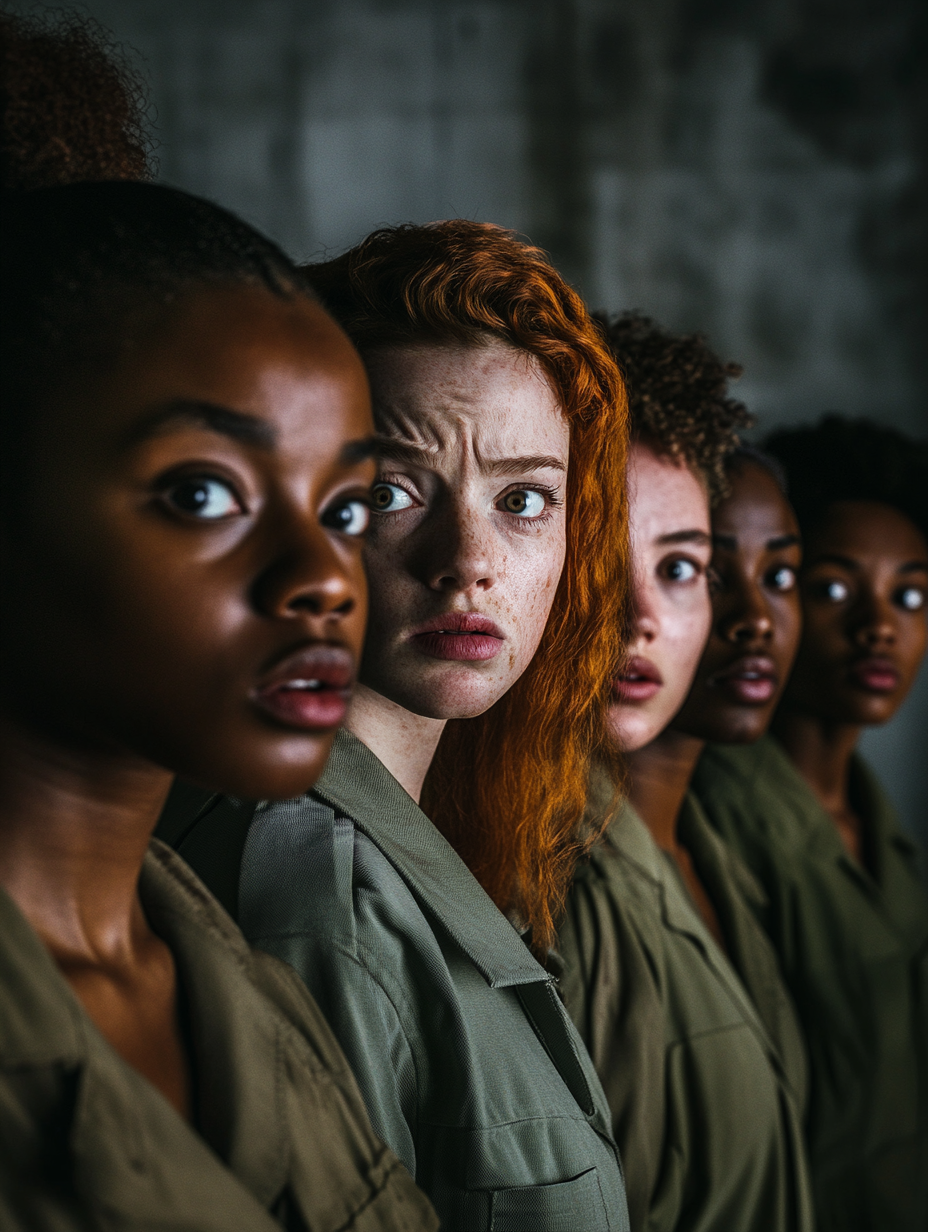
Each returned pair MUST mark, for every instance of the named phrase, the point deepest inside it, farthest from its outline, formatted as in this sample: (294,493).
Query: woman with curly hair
(671,980)
(846,907)
(73,109)
(411,887)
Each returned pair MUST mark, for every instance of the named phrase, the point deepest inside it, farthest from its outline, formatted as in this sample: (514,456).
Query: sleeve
(611,989)
(309,897)
(367,1027)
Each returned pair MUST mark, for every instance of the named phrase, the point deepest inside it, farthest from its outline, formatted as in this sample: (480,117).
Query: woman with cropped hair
(414,888)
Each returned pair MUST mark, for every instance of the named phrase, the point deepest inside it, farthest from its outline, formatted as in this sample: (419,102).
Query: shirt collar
(358,785)
(42,1020)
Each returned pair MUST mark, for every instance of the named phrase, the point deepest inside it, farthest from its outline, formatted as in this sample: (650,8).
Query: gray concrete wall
(751,168)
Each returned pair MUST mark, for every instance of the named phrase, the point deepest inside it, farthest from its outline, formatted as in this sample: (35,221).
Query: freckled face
(184,583)
(863,586)
(670,548)
(467,539)
(756,617)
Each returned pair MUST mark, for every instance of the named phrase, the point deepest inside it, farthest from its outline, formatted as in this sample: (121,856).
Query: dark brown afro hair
(72,108)
(841,459)
(677,394)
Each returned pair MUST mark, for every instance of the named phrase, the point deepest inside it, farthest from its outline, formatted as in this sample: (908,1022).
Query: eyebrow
(181,412)
(729,543)
(415,455)
(686,536)
(848,562)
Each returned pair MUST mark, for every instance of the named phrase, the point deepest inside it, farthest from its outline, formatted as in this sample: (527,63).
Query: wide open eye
(836,592)
(783,578)
(912,598)
(524,503)
(681,570)
(206,498)
(389,498)
(350,517)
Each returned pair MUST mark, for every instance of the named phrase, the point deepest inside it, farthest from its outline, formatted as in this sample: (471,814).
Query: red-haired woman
(501,426)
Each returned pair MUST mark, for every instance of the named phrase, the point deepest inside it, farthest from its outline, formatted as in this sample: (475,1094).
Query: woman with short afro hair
(847,910)
(669,977)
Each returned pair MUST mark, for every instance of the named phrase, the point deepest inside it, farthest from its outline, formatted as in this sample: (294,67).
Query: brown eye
(210,500)
(783,578)
(836,592)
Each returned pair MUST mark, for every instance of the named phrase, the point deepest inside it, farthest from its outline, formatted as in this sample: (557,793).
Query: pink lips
(875,674)
(750,681)
(639,682)
(310,689)
(461,636)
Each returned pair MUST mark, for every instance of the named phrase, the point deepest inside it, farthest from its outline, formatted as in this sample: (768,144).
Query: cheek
(530,582)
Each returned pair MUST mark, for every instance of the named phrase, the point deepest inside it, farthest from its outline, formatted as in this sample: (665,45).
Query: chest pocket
(566,1206)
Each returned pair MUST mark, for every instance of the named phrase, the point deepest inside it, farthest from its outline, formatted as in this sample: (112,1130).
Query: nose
(745,617)
(644,620)
(307,576)
(460,551)
(874,621)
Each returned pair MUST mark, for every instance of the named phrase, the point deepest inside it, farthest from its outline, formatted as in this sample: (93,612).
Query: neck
(659,778)
(74,828)
(821,750)
(403,741)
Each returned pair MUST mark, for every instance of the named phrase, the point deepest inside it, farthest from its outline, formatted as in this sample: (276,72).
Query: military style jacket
(699,1053)
(854,951)
(466,1058)
(282,1138)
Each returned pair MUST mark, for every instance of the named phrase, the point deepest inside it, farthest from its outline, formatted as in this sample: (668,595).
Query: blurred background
(753,169)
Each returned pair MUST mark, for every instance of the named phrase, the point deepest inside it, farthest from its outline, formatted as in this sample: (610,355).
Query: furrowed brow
(237,425)
(503,467)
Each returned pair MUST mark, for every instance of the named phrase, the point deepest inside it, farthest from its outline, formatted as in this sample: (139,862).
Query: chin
(631,729)
(260,770)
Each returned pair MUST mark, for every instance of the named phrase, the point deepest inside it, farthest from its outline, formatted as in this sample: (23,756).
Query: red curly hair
(515,813)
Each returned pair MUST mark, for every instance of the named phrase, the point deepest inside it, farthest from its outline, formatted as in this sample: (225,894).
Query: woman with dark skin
(669,976)
(184,492)
(847,910)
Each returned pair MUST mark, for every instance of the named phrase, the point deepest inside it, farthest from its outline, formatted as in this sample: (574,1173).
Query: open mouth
(638,682)
(750,681)
(310,689)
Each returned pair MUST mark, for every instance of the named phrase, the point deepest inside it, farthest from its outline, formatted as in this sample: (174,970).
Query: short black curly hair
(71,106)
(841,459)
(678,394)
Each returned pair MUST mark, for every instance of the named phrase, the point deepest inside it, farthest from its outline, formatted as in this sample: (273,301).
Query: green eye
(389,498)
(524,503)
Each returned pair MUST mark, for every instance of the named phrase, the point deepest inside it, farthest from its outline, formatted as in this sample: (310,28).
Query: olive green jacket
(86,1143)
(466,1058)
(854,952)
(704,1071)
